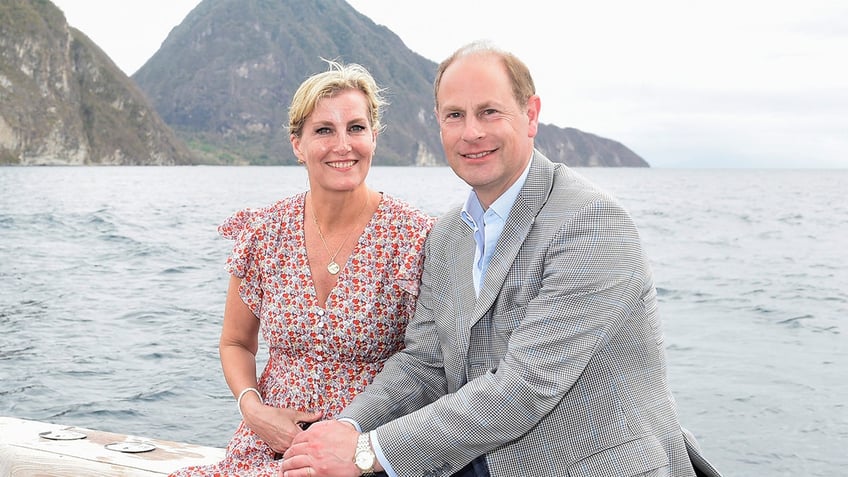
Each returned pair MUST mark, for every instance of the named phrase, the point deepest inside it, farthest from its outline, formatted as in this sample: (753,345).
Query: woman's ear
(295,142)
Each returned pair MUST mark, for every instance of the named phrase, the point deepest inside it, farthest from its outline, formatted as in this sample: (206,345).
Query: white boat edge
(26,451)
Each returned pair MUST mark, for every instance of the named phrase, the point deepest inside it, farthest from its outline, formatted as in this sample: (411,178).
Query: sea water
(112,287)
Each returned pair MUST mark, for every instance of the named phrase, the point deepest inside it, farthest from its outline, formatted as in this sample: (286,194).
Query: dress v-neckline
(344,269)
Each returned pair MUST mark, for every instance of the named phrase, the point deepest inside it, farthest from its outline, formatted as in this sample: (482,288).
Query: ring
(309,472)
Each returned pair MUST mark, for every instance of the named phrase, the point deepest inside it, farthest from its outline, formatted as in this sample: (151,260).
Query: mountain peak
(224,77)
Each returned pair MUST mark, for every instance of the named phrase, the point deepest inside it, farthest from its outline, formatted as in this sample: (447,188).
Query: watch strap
(363,446)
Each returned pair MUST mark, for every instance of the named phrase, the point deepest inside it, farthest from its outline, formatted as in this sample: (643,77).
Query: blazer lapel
(463,296)
(528,204)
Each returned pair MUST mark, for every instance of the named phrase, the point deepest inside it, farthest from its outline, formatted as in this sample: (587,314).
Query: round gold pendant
(333,268)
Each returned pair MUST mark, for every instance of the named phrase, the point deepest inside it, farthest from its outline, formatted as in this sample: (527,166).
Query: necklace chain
(333,267)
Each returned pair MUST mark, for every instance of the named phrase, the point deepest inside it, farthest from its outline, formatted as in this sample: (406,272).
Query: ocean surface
(113,288)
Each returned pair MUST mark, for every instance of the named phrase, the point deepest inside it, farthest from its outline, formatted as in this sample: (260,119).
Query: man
(535,348)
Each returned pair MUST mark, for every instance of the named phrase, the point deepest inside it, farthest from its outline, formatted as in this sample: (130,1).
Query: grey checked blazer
(556,369)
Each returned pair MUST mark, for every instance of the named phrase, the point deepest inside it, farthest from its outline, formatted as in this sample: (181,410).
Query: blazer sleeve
(580,276)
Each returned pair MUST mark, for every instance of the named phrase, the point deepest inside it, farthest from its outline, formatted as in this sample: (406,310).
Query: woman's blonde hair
(339,77)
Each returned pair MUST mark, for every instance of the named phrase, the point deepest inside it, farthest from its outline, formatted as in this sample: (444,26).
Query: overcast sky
(724,83)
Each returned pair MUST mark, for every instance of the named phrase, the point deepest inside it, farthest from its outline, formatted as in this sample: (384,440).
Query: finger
(295,457)
(305,472)
(309,417)
(279,449)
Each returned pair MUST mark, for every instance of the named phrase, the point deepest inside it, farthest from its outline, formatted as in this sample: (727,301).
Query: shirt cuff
(351,422)
(375,443)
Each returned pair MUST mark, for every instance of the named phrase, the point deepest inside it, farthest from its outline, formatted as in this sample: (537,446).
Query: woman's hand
(276,426)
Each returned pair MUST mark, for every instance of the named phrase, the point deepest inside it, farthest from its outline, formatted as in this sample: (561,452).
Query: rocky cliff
(223,79)
(577,148)
(63,101)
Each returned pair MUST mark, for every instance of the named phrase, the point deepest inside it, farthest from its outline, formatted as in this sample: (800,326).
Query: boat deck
(34,448)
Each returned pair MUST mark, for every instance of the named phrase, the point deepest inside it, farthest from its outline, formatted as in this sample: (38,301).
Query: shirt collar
(472,211)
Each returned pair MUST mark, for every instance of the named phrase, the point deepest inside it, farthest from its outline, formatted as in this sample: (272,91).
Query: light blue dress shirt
(488,225)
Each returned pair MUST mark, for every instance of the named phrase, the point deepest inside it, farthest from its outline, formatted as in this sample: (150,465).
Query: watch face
(364,460)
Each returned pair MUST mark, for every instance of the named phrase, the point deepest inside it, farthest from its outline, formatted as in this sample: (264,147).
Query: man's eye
(452,117)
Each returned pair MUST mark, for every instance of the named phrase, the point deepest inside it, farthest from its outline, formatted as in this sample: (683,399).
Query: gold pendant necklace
(333,267)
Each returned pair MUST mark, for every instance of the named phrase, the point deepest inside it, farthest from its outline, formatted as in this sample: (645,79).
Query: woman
(329,276)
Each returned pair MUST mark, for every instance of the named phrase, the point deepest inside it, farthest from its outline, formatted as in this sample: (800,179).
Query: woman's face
(337,142)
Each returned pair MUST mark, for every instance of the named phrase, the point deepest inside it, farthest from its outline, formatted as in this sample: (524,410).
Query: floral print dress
(320,356)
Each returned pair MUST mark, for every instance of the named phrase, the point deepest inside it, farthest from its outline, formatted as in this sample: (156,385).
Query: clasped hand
(277,427)
(324,450)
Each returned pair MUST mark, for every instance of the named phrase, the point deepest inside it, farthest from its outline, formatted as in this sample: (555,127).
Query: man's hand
(324,450)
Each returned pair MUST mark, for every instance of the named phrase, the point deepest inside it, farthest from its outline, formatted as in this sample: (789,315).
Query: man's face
(487,135)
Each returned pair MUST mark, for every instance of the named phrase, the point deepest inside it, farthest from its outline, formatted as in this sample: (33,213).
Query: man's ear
(534,105)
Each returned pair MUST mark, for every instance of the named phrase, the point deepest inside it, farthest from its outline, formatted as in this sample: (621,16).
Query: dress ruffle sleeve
(412,229)
(246,228)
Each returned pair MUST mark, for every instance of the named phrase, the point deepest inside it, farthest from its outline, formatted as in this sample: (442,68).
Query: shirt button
(320,312)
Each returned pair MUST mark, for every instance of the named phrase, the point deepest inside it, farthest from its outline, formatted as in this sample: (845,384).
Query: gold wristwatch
(364,457)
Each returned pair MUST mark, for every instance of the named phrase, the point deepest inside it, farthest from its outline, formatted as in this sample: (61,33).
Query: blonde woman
(328,276)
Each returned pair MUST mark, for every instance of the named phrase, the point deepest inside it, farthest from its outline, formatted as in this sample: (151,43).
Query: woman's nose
(343,144)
